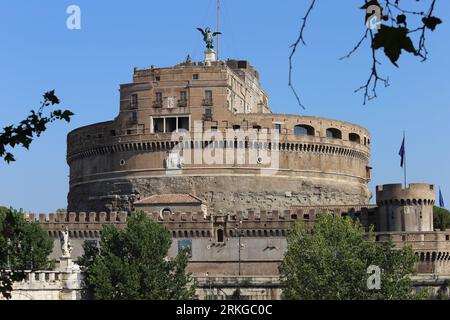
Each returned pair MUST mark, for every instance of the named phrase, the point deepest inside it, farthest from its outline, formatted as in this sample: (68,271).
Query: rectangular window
(183,96)
(158,125)
(208,114)
(134,101)
(158,78)
(208,99)
(171,125)
(158,97)
(208,95)
(195,76)
(278,127)
(183,123)
(134,117)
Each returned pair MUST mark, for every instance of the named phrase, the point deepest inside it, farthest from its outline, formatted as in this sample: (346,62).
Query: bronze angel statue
(208,37)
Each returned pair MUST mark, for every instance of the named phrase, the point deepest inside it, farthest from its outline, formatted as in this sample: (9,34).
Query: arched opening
(236,127)
(333,133)
(354,137)
(303,130)
(166,211)
(219,235)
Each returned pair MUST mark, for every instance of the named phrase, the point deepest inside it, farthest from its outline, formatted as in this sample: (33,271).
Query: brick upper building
(195,107)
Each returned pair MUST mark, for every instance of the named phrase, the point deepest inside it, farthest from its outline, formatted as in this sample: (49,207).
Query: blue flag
(441,199)
(402,153)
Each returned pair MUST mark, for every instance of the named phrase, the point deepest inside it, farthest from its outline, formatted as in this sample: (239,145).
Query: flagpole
(218,30)
(404,160)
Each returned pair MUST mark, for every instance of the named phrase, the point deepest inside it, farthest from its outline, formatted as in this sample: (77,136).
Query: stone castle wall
(262,236)
(110,173)
(303,160)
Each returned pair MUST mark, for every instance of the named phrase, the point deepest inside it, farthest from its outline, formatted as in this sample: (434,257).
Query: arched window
(303,130)
(219,235)
(166,211)
(354,137)
(333,133)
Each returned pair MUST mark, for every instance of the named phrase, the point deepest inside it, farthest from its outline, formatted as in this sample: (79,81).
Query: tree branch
(300,40)
(374,78)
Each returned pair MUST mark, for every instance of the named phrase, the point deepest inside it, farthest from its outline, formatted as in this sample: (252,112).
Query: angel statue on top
(208,37)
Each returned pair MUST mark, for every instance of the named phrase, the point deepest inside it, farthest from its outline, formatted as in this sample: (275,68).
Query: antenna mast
(218,29)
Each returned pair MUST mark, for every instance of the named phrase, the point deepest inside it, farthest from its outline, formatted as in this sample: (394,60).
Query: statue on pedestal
(66,246)
(208,37)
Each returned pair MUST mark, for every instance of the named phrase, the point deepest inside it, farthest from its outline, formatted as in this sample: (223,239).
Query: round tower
(405,209)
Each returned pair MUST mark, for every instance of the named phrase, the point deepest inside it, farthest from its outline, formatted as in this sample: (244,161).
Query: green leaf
(431,22)
(393,40)
(51,97)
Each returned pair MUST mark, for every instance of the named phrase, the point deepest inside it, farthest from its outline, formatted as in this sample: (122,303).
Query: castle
(198,148)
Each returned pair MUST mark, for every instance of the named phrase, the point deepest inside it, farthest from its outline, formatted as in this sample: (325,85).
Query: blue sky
(86,66)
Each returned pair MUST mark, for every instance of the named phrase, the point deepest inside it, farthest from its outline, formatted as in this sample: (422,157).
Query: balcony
(157,104)
(207,102)
(182,103)
(207,117)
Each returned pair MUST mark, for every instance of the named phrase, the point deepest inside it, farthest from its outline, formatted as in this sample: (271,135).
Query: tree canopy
(133,264)
(441,218)
(23,246)
(331,261)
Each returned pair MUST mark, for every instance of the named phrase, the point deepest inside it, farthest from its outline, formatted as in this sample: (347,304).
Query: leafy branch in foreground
(36,123)
(390,32)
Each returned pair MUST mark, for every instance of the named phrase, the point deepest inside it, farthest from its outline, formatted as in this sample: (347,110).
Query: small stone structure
(63,284)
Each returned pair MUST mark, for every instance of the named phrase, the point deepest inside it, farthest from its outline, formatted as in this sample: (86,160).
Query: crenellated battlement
(91,223)
(415,194)
(405,209)
(81,217)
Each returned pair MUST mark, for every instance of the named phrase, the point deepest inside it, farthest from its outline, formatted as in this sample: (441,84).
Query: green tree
(132,264)
(34,125)
(23,246)
(441,218)
(331,260)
